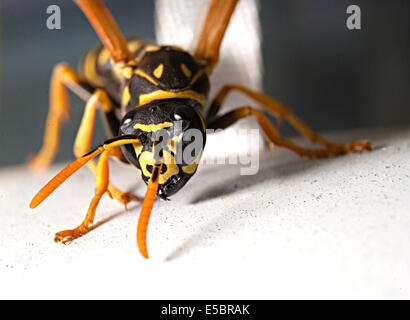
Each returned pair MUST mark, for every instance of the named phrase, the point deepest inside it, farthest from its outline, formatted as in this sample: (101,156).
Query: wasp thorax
(171,131)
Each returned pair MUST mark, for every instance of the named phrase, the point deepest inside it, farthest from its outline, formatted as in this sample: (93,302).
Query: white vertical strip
(179,22)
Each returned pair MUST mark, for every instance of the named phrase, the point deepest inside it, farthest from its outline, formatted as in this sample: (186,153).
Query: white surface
(333,228)
(179,22)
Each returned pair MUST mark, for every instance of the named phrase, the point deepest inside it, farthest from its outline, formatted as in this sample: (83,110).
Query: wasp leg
(217,20)
(106,28)
(59,109)
(101,186)
(84,137)
(280,111)
(272,134)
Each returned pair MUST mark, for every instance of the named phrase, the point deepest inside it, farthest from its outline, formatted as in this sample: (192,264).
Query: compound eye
(128,118)
(127,121)
(181,116)
(177,117)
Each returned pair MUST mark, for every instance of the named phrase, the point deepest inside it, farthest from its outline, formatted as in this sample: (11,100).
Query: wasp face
(171,130)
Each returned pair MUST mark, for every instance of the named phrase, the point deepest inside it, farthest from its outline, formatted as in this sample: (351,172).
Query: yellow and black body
(162,87)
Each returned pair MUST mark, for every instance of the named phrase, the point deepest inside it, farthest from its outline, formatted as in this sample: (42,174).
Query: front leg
(84,137)
(101,186)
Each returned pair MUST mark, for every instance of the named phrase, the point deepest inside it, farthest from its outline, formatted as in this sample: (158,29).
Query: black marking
(93,150)
(109,141)
(125,137)
(155,175)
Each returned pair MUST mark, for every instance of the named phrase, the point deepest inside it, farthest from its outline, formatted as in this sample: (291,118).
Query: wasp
(142,89)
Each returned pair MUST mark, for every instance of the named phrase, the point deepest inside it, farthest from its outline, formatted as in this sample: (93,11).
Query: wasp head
(169,130)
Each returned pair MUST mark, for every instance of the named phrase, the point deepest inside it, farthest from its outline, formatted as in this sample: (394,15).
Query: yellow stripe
(146,158)
(158,71)
(126,96)
(152,127)
(90,72)
(132,63)
(186,71)
(144,75)
(151,48)
(161,94)
(196,76)
(190,169)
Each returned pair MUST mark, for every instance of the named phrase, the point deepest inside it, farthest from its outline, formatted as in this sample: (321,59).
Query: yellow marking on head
(147,158)
(158,71)
(126,96)
(191,168)
(144,75)
(196,76)
(153,127)
(90,71)
(137,148)
(132,63)
(186,71)
(161,94)
(152,48)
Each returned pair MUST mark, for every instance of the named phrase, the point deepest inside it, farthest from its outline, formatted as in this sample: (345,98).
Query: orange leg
(106,28)
(59,109)
(280,111)
(273,136)
(84,137)
(217,20)
(101,185)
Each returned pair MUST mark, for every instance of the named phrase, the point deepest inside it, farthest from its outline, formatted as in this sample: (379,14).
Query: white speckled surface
(334,228)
